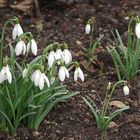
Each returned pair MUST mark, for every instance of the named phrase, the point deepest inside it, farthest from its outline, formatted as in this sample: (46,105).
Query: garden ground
(63,22)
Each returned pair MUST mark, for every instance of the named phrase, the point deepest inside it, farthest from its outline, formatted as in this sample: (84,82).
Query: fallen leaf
(79,43)
(112,125)
(87,66)
(23,6)
(118,104)
(2,3)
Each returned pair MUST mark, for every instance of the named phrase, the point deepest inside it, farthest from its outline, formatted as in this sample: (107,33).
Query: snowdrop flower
(51,58)
(78,73)
(88,29)
(17,31)
(43,78)
(137,30)
(39,78)
(20,48)
(58,55)
(24,73)
(35,77)
(5,74)
(126,90)
(32,44)
(67,57)
(63,73)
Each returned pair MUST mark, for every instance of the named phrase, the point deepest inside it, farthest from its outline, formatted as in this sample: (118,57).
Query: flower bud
(88,29)
(126,90)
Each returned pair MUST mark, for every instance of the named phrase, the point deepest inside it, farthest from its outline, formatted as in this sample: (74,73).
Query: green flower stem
(2,37)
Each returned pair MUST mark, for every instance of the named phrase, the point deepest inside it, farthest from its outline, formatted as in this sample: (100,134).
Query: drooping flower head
(5,74)
(63,73)
(51,58)
(78,74)
(32,45)
(39,79)
(20,48)
(66,56)
(126,90)
(89,27)
(17,30)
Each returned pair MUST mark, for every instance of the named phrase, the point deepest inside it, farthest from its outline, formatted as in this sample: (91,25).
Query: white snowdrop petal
(75,74)
(2,75)
(87,29)
(70,56)
(24,73)
(9,76)
(34,47)
(28,46)
(36,77)
(58,54)
(137,30)
(66,72)
(41,82)
(80,74)
(19,30)
(67,57)
(14,33)
(126,90)
(19,48)
(61,74)
(46,80)
(24,47)
(51,59)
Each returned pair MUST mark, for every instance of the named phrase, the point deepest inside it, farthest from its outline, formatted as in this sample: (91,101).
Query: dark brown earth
(66,22)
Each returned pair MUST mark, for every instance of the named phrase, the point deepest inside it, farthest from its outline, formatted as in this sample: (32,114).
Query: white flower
(67,57)
(51,58)
(43,78)
(32,44)
(35,77)
(20,48)
(63,73)
(39,79)
(137,30)
(87,29)
(17,31)
(78,73)
(58,55)
(5,74)
(24,73)
(126,90)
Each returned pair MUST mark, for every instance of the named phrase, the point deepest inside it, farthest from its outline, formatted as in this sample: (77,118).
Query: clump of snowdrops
(101,115)
(126,55)
(30,89)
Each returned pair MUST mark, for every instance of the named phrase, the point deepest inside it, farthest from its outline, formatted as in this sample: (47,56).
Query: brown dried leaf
(2,3)
(79,43)
(23,6)
(87,66)
(79,54)
(112,125)
(118,104)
